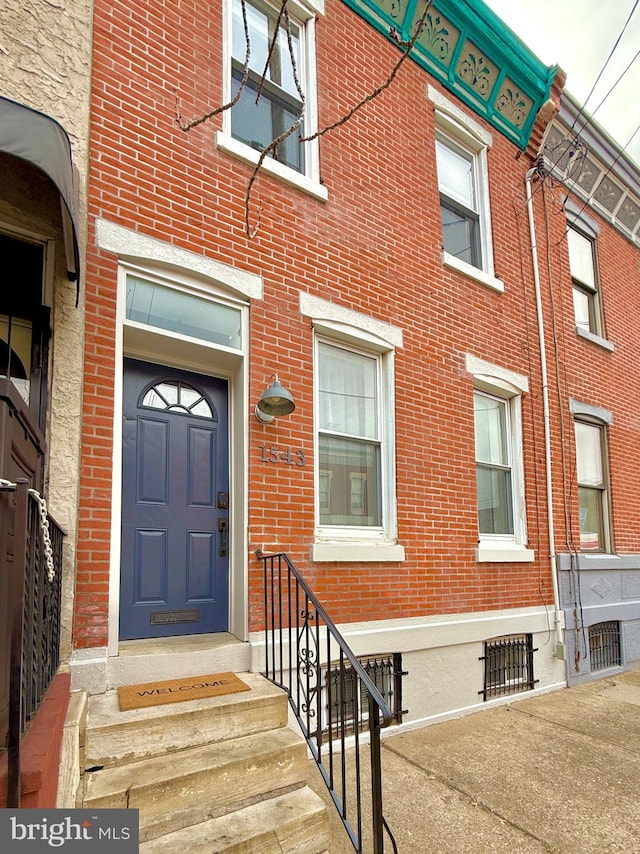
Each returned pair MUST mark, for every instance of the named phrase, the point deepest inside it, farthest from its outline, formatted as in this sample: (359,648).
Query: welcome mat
(177,690)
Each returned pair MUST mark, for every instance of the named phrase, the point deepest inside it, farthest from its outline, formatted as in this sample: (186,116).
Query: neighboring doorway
(175,503)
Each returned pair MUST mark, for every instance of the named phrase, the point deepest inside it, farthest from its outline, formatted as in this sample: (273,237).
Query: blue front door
(175,503)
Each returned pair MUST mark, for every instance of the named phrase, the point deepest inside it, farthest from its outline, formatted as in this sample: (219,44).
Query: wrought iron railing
(34,597)
(336,703)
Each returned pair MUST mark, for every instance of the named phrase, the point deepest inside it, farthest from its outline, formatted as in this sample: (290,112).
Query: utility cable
(618,156)
(602,70)
(610,90)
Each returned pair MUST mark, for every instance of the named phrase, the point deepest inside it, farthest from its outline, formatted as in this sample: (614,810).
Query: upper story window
(586,301)
(279,90)
(270,101)
(461,160)
(457,181)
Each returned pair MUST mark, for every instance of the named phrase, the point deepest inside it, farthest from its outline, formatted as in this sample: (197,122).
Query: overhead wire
(608,59)
(574,138)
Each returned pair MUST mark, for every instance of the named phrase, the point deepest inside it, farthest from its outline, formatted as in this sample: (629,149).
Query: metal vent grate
(508,665)
(347,699)
(604,645)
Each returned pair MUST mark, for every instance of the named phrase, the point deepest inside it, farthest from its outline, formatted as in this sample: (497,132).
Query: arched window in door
(180,397)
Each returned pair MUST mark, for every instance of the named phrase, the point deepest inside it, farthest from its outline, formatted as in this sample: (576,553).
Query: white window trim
(334,324)
(589,230)
(599,417)
(510,386)
(454,124)
(309,182)
(151,257)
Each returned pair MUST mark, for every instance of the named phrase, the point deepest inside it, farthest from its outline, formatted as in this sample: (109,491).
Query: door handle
(223,529)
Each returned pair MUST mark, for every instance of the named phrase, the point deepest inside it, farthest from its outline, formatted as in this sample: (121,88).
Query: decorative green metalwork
(473,54)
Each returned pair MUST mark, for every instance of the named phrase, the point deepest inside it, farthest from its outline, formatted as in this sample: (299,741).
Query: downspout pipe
(557,614)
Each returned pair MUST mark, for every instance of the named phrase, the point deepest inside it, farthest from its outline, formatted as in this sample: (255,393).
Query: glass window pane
(258,24)
(285,73)
(15,352)
(589,454)
(491,430)
(582,308)
(258,124)
(183,313)
(591,519)
(495,504)
(348,392)
(581,258)
(460,235)
(257,121)
(251,122)
(455,174)
(350,482)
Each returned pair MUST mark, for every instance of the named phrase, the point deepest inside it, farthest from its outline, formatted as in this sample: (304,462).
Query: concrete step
(292,823)
(201,782)
(115,737)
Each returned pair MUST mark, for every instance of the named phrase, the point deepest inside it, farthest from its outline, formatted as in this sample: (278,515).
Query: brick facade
(374,247)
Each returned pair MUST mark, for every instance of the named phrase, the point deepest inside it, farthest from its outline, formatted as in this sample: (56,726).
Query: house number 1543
(288,456)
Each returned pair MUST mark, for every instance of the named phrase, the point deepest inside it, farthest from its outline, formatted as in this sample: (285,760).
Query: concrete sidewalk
(558,772)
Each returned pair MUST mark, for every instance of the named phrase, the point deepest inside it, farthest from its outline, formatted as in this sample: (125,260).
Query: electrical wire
(602,70)
(611,90)
(574,138)
(611,165)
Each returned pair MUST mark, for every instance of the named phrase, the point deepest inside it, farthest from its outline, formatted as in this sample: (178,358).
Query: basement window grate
(604,645)
(508,665)
(347,700)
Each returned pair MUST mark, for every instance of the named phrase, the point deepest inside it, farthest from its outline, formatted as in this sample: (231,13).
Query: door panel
(174,571)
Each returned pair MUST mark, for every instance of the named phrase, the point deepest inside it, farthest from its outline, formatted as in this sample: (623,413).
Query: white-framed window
(355,508)
(586,297)
(592,476)
(499,464)
(592,487)
(350,438)
(459,208)
(494,464)
(279,90)
(463,183)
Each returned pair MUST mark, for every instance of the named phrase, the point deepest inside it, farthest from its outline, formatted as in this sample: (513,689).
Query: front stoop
(224,774)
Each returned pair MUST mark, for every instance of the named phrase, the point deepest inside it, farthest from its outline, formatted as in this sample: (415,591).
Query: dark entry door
(175,500)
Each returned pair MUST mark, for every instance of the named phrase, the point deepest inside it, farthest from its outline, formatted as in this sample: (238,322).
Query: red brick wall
(40,750)
(589,373)
(374,247)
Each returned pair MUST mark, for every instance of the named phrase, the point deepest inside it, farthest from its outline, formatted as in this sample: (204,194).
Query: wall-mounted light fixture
(274,401)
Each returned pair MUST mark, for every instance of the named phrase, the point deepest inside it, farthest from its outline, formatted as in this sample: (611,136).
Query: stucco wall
(45,60)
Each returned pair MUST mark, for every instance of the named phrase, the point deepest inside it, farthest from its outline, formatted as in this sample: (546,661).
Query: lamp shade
(276,400)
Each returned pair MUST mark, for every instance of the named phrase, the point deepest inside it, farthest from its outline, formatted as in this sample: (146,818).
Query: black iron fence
(34,613)
(338,706)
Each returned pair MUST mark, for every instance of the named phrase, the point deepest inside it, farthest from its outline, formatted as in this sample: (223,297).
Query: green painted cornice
(472,53)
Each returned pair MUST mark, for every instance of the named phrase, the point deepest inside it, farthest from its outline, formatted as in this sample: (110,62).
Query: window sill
(594,339)
(243,152)
(503,553)
(356,552)
(453,263)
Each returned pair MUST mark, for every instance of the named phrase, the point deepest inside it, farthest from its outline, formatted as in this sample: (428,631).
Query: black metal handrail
(35,593)
(302,648)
